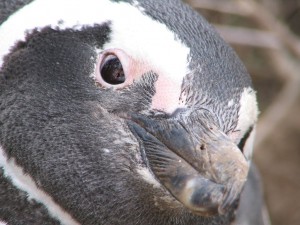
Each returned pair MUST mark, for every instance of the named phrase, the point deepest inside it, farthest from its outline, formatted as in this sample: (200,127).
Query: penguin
(117,112)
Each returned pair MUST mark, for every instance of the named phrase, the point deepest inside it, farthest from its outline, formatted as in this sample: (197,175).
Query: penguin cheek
(116,69)
(167,95)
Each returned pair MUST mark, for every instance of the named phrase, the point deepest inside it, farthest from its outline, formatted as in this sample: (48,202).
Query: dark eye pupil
(112,71)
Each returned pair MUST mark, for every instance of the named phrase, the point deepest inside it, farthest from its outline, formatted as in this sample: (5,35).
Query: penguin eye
(115,69)
(111,70)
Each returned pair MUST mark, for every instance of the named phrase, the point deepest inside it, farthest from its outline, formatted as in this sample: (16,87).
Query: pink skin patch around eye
(167,94)
(167,91)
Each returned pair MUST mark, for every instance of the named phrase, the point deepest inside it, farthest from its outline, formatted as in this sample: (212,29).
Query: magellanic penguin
(121,113)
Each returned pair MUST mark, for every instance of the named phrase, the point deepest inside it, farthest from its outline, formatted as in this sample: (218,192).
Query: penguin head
(126,112)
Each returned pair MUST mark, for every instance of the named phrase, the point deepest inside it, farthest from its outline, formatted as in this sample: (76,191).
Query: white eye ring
(114,69)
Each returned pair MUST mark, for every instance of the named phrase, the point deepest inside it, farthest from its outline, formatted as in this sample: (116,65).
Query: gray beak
(196,163)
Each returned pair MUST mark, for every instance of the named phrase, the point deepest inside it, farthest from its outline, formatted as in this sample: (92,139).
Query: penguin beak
(196,163)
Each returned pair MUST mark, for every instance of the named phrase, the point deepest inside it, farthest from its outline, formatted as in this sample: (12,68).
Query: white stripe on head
(25,183)
(134,32)
(247,117)
(248,111)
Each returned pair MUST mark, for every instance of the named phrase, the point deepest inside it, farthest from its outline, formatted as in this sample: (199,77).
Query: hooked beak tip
(210,188)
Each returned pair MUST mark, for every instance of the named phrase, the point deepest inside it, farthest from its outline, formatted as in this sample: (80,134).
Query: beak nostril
(202,147)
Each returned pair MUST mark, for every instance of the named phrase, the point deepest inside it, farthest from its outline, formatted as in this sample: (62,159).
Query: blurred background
(266,36)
